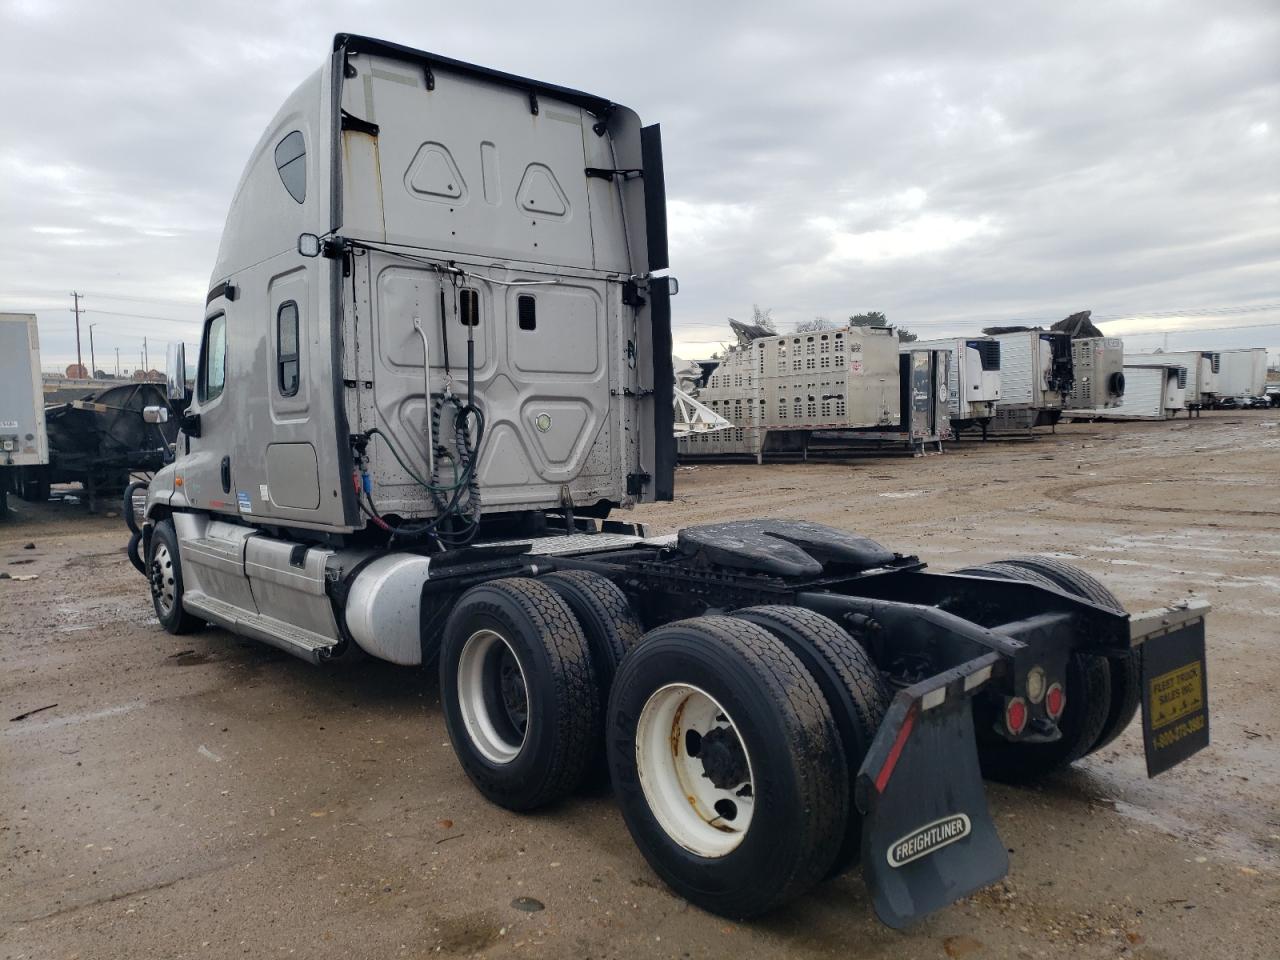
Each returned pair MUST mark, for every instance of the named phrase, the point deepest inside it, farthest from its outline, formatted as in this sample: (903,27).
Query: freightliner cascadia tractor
(436,362)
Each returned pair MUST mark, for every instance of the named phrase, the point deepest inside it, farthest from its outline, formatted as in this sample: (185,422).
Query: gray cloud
(951,166)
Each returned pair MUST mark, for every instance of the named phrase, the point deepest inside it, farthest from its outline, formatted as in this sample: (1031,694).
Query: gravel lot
(208,796)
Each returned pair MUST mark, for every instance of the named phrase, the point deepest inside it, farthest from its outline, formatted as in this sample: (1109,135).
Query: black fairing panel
(664,437)
(655,196)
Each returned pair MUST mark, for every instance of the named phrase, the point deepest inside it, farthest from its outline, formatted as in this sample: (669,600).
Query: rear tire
(1088,688)
(521,699)
(850,682)
(611,626)
(772,760)
(1126,672)
(164,571)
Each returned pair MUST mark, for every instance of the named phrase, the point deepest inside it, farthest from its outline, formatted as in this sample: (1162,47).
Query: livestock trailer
(778,390)
(1242,373)
(1152,392)
(973,378)
(1098,364)
(436,358)
(1202,373)
(1036,374)
(24,442)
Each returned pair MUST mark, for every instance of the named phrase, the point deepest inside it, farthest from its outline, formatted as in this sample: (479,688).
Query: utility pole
(146,361)
(93,364)
(117,363)
(76,297)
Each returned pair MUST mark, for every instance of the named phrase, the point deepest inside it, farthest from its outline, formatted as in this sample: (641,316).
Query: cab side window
(213,358)
(287,348)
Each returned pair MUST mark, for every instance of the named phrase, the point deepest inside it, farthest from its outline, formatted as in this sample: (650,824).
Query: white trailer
(1152,392)
(23,440)
(1202,372)
(1098,364)
(1036,374)
(973,378)
(1242,373)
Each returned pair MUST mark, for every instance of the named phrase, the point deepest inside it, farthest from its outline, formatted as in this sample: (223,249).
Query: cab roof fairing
(599,107)
(303,109)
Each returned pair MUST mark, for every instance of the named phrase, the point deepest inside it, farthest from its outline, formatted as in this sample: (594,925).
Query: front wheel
(727,765)
(164,571)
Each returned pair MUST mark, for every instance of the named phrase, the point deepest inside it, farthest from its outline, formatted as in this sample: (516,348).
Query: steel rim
(493,696)
(695,770)
(164,587)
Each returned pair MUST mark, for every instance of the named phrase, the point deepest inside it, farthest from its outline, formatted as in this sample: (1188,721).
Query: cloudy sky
(952,165)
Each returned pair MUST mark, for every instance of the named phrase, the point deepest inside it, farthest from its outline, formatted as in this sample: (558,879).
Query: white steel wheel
(694,770)
(163,586)
(493,696)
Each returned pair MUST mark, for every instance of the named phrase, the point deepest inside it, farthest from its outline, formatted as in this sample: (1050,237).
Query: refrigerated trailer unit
(1036,374)
(1152,392)
(438,286)
(777,391)
(1242,373)
(973,379)
(1099,375)
(1202,373)
(24,443)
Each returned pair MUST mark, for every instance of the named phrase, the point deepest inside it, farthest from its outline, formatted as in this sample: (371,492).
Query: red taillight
(1055,701)
(1015,715)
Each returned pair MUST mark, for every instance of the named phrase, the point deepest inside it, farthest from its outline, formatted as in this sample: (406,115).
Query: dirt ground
(207,796)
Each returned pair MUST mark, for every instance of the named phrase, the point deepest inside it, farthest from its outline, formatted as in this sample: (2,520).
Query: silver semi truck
(436,361)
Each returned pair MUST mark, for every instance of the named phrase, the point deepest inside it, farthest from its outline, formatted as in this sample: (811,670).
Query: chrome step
(293,639)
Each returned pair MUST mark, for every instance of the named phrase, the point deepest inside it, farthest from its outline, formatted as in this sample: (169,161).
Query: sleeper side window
(291,162)
(287,348)
(213,354)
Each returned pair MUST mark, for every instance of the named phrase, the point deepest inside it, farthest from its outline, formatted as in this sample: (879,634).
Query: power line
(139,316)
(194,301)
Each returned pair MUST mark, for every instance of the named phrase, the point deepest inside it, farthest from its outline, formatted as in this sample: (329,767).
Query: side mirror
(176,372)
(309,245)
(155,414)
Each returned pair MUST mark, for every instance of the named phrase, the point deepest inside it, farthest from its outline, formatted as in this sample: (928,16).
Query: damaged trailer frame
(776,701)
(1036,375)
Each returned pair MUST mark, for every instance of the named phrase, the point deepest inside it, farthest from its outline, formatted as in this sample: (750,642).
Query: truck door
(922,388)
(206,443)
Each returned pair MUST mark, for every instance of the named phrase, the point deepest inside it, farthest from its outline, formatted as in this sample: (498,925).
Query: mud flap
(927,835)
(1175,695)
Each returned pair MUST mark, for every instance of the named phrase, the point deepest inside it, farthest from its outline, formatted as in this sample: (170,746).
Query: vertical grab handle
(426,392)
(226,474)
